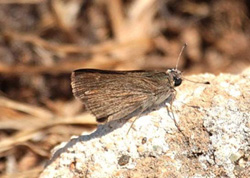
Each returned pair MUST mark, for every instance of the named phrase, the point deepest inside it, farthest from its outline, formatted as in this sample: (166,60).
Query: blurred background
(43,41)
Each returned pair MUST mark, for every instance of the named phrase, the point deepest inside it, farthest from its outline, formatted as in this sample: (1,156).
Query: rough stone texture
(214,140)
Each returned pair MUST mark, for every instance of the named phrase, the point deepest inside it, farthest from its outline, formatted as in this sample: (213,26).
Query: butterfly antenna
(182,49)
(207,83)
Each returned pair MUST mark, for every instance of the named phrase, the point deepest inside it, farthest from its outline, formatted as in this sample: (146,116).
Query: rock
(212,140)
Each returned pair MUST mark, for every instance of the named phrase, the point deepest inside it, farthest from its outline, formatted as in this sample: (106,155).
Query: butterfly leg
(139,115)
(132,124)
(170,110)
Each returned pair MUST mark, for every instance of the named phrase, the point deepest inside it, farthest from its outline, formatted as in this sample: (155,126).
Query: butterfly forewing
(115,94)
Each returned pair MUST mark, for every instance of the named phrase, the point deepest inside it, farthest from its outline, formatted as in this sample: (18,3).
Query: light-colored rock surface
(215,120)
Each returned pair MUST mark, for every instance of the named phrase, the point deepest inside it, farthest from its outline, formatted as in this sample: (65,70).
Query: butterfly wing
(116,94)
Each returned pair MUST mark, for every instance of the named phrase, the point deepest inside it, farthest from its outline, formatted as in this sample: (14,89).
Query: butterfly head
(175,75)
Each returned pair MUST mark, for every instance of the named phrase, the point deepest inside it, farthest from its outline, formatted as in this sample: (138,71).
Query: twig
(32,110)
(20,1)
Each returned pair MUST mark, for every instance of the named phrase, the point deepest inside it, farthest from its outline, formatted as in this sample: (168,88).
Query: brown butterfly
(111,95)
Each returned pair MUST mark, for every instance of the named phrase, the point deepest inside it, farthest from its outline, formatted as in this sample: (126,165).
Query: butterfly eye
(177,81)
